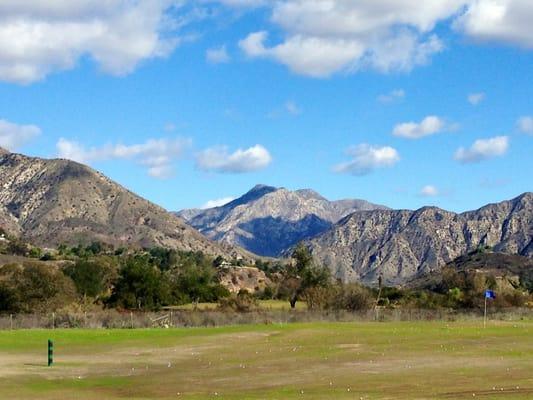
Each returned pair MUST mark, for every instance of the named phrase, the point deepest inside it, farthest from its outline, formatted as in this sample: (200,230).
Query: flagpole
(485,314)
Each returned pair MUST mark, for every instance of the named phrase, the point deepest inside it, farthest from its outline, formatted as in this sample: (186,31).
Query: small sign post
(50,353)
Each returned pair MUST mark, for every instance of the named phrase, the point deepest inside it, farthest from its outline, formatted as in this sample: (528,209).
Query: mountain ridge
(400,244)
(54,201)
(266,220)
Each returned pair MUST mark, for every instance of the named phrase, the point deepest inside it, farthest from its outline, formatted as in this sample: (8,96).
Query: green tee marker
(50,353)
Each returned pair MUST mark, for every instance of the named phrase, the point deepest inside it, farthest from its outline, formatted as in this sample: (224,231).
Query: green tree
(92,277)
(304,274)
(140,285)
(34,287)
(163,258)
(196,284)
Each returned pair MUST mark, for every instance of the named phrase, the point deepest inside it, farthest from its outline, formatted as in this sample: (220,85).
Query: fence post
(53,320)
(11,321)
(50,353)
(171,319)
(131,318)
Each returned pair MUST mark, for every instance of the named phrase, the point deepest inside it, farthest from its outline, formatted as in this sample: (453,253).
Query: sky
(191,103)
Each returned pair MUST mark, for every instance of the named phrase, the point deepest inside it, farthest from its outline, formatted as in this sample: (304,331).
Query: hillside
(401,244)
(49,202)
(267,220)
(506,268)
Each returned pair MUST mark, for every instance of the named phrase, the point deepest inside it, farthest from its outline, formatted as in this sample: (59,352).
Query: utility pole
(380,283)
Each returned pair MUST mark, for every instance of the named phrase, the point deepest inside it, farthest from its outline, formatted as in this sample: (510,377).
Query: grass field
(404,360)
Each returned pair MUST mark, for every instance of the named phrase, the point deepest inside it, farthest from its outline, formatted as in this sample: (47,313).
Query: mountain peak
(4,152)
(310,194)
(255,193)
(262,188)
(267,220)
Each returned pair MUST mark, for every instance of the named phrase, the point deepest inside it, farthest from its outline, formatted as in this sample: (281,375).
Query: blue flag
(489,294)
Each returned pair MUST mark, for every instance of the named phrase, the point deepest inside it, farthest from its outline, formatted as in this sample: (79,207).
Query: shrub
(320,298)
(34,287)
(354,297)
(17,247)
(242,302)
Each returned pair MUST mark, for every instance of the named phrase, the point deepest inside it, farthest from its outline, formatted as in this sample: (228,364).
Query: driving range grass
(400,360)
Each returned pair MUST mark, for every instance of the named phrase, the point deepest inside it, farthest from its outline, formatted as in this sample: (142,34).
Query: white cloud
(292,108)
(14,136)
(217,203)
(217,55)
(38,38)
(476,98)
(367,158)
(218,159)
(394,95)
(312,56)
(415,130)
(483,149)
(504,21)
(429,191)
(157,155)
(323,37)
(525,124)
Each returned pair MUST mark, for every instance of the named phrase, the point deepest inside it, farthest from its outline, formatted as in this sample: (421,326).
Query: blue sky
(193,101)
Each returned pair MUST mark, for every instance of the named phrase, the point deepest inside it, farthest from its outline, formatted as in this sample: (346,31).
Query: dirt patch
(349,346)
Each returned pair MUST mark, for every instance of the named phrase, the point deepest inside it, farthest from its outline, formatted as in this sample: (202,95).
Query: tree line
(98,275)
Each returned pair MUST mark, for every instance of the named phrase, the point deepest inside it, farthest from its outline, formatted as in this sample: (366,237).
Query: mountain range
(49,202)
(401,244)
(268,220)
(360,241)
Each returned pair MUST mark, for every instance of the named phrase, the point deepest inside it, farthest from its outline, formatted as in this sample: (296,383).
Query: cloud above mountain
(217,202)
(366,158)
(38,38)
(316,38)
(500,21)
(218,55)
(483,149)
(429,191)
(324,37)
(13,136)
(416,130)
(157,155)
(220,159)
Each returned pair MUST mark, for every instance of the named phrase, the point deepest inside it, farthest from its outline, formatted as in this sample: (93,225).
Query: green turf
(420,360)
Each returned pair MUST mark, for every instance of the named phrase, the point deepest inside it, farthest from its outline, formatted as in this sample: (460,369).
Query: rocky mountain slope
(49,202)
(267,220)
(400,245)
(508,269)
